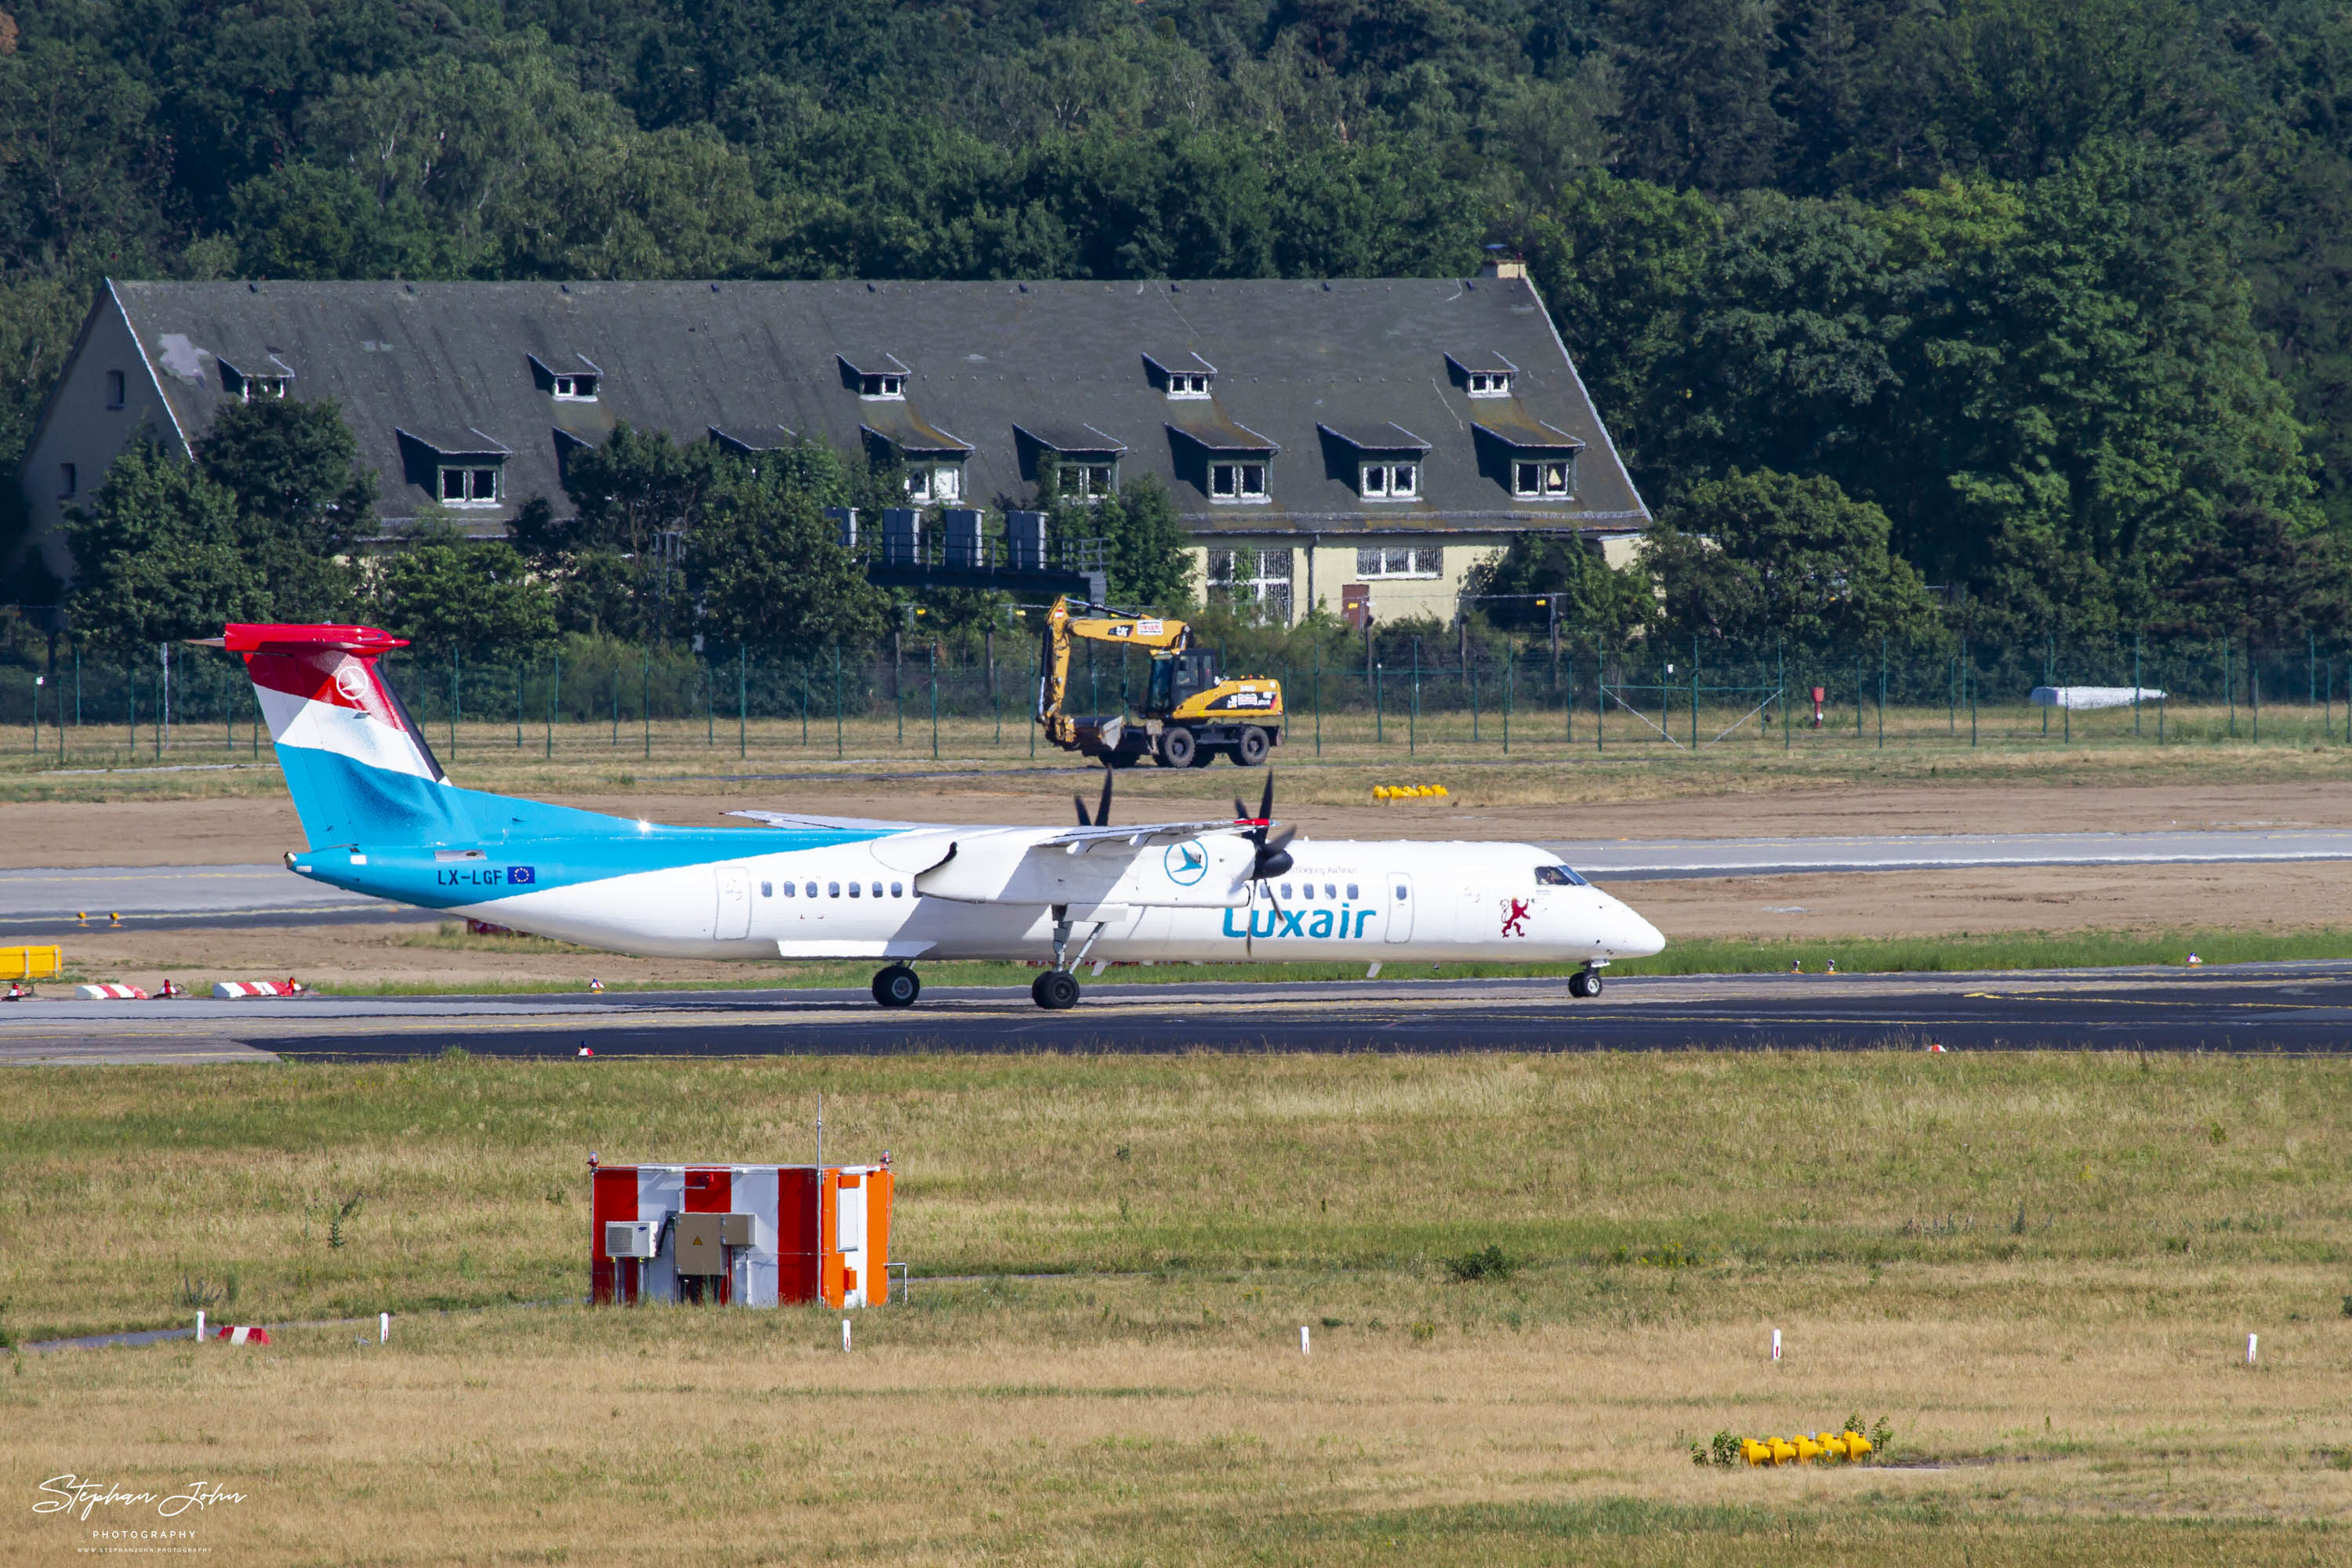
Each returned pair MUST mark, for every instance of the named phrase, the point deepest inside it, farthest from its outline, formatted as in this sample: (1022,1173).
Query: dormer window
(1389,481)
(1179,376)
(1082,459)
(928,482)
(1386,459)
(1482,375)
(1086,481)
(567,377)
(469,486)
(254,376)
(877,378)
(1548,480)
(1237,481)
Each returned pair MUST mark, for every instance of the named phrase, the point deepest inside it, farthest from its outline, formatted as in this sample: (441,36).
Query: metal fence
(1496,691)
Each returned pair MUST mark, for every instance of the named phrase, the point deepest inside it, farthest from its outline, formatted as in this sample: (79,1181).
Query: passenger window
(1559,877)
(1306,891)
(789,889)
(1329,891)
(897,891)
(878,889)
(811,889)
(1400,890)
(1286,889)
(832,889)
(853,890)
(1351,892)
(767,889)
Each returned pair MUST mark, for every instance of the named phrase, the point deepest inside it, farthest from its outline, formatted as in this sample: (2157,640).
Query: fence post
(646,697)
(1882,691)
(554,691)
(1470,679)
(935,701)
(1694,694)
(456,701)
(1413,715)
(2254,692)
(1379,732)
(1599,696)
(1510,673)
(1319,699)
(1780,663)
(2230,687)
(518,674)
(837,702)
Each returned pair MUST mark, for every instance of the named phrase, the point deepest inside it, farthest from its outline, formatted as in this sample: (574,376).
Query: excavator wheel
(1250,751)
(1178,748)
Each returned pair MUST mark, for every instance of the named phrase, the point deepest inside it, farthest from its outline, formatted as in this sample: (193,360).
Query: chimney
(1502,267)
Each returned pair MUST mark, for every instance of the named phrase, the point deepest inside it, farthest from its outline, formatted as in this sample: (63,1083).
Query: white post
(1302,1340)
(845,1333)
(1776,1344)
(2250,1349)
(383,1328)
(200,1322)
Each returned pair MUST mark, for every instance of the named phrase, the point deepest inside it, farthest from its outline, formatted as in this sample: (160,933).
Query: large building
(1346,444)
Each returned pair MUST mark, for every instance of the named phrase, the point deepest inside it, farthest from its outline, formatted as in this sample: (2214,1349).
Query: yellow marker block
(31,963)
(1754,1452)
(1856,1445)
(1832,1444)
(1784,1451)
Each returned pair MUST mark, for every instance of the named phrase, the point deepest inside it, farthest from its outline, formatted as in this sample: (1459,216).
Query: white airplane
(384,820)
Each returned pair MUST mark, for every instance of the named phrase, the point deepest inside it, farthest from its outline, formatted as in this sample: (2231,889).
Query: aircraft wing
(1081,840)
(846,824)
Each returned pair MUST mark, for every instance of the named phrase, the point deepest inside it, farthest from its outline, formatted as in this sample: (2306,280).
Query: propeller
(1102,810)
(1273,854)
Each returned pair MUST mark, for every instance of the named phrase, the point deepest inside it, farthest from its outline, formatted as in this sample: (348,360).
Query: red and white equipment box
(746,1236)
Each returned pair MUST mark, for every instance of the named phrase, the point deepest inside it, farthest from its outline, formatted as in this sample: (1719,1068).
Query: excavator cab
(1177,677)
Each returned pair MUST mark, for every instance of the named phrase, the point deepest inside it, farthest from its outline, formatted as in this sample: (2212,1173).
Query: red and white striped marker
(242,1334)
(108,991)
(230,990)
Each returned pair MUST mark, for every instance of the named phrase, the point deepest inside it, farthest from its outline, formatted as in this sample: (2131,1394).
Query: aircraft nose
(1631,936)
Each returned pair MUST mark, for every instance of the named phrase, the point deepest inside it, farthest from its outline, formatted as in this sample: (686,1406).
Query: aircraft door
(734,918)
(849,1237)
(1396,893)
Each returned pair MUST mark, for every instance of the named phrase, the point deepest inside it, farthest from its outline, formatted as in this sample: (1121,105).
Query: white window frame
(267,386)
(469,494)
(1187,386)
(1490,384)
(1375,562)
(1238,482)
(575,388)
(1267,582)
(1087,482)
(930,482)
(882,387)
(1390,480)
(1543,478)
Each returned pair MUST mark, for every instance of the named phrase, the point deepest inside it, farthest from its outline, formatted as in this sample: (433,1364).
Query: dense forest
(2038,304)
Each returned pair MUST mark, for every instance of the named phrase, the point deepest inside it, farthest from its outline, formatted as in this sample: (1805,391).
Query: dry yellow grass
(2039,1269)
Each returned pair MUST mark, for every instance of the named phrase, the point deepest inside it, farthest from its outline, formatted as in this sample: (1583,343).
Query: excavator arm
(1062,628)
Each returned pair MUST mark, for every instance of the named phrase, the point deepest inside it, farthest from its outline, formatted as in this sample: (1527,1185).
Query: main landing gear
(897,986)
(1586,981)
(1056,990)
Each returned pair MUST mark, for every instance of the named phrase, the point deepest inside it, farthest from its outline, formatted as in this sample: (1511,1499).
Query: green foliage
(1487,1262)
(1747,558)
(304,498)
(1593,599)
(450,593)
(1146,548)
(157,556)
(771,573)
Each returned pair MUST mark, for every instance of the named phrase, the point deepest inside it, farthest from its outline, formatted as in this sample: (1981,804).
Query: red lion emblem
(1515,920)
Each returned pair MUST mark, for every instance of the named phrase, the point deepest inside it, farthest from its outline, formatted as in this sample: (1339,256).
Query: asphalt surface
(2295,1008)
(51,901)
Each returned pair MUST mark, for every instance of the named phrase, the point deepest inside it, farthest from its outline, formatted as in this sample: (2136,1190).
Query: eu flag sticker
(518,875)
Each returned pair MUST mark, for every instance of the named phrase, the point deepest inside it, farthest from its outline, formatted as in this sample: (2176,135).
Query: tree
(1148,559)
(156,558)
(768,572)
(1583,595)
(1753,557)
(450,593)
(303,498)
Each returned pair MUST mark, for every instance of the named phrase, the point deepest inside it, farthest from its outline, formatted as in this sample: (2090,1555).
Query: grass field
(2039,1271)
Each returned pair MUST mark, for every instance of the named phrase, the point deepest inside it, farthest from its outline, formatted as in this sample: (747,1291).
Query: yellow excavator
(1191,711)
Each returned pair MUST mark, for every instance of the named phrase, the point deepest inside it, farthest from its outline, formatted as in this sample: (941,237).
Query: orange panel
(877,1237)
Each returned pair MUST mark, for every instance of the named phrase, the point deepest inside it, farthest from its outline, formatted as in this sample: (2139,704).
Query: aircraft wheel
(1250,751)
(897,986)
(1179,748)
(1585,983)
(1056,990)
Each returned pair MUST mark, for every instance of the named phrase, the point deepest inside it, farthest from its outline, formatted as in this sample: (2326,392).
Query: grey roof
(1390,437)
(748,438)
(1485,360)
(1525,435)
(466,443)
(982,359)
(1070,438)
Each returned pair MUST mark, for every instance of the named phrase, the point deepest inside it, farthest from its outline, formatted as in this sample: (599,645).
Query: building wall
(79,429)
(1324,566)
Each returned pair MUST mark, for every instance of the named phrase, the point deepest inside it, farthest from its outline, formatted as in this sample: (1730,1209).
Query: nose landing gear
(1586,981)
(897,986)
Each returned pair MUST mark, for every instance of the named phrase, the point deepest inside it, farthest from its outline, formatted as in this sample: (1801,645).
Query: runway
(44,903)
(2276,1008)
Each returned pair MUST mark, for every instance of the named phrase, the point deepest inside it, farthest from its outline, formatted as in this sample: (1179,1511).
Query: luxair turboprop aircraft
(384,820)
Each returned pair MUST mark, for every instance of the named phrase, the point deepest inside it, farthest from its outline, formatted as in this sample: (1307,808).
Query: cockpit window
(1559,877)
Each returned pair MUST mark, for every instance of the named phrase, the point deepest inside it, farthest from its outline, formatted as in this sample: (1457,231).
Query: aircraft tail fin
(356,763)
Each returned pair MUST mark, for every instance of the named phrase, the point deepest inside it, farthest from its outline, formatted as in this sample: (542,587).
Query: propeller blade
(1080,801)
(1102,810)
(1273,854)
(1265,806)
(1241,812)
(1279,838)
